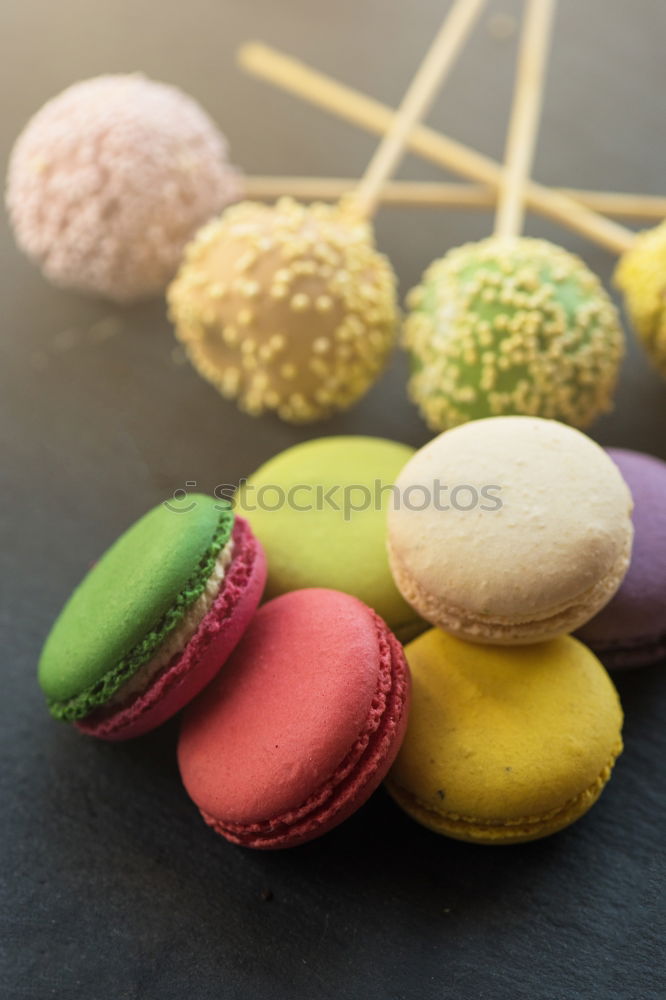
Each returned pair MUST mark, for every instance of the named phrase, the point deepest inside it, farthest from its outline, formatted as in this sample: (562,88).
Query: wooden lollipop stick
(347,103)
(624,206)
(429,194)
(413,193)
(420,94)
(525,115)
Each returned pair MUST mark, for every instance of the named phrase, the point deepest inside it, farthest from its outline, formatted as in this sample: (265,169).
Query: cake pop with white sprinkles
(501,327)
(286,308)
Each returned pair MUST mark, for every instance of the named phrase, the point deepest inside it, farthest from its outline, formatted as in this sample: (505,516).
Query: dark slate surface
(112,886)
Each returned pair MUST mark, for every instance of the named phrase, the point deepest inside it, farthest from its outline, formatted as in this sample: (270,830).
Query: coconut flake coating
(286,308)
(110,179)
(512,327)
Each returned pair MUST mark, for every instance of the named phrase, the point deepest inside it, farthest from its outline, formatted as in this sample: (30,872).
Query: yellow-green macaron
(505,744)
(319,509)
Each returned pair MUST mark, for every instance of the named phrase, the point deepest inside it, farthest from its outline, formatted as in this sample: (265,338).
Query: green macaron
(319,510)
(130,603)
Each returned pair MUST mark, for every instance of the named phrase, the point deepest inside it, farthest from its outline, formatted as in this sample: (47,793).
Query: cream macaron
(510,530)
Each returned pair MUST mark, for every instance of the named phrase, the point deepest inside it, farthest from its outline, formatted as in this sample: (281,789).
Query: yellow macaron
(505,744)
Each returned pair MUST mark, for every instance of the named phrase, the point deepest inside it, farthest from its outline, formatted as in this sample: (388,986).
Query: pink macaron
(301,726)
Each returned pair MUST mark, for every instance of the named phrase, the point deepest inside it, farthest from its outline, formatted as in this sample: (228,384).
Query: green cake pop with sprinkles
(513,325)
(521,327)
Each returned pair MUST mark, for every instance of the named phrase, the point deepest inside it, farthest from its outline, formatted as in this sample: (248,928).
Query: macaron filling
(504,831)
(361,767)
(176,641)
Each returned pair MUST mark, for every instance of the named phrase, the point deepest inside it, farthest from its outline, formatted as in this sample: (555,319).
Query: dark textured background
(113,887)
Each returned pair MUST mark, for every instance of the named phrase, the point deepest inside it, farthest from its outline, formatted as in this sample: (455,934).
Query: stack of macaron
(511,533)
(494,725)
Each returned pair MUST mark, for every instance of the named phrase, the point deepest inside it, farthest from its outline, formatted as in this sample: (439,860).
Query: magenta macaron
(630,631)
(154,620)
(301,726)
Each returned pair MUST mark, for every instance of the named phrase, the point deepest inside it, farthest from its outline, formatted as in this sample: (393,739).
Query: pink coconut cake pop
(109,180)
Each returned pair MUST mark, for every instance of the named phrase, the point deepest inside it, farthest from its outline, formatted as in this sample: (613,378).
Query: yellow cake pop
(641,276)
(286,308)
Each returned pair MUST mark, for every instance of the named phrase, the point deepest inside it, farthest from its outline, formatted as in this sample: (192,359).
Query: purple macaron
(631,630)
